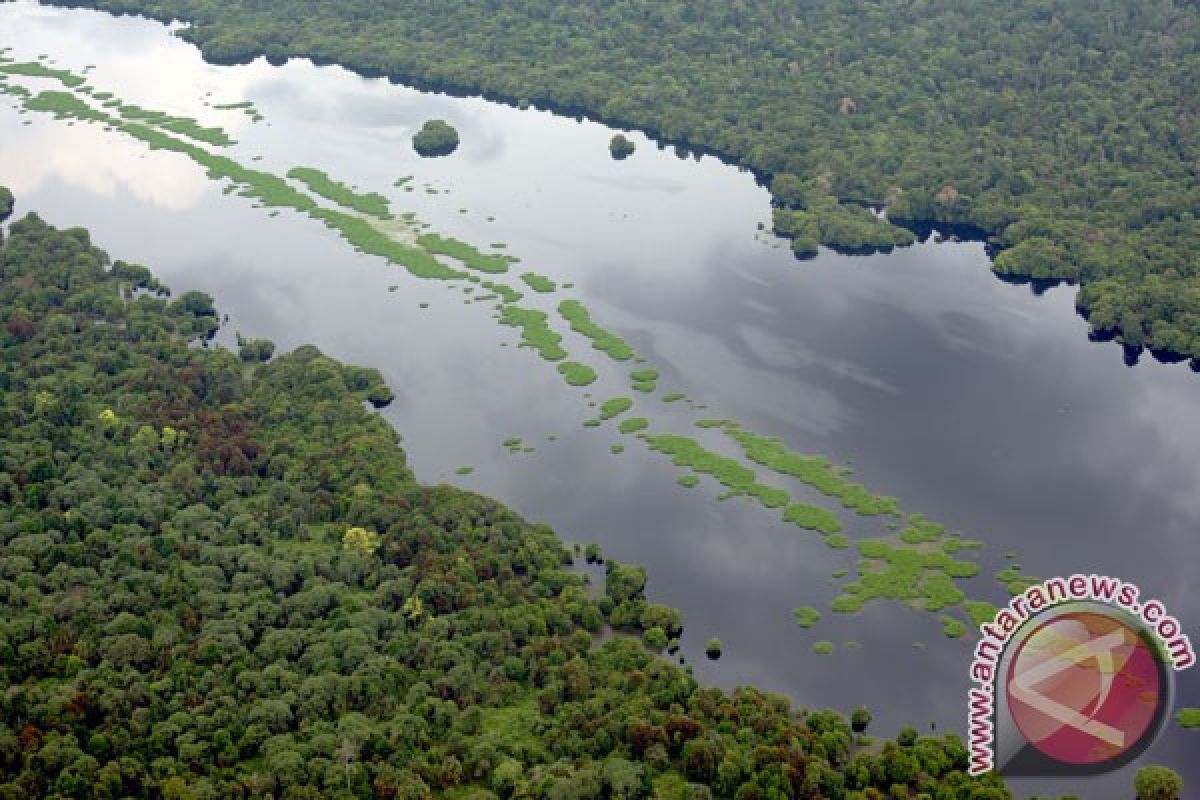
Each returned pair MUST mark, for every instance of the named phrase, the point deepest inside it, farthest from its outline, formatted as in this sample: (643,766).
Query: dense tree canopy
(436,138)
(220,580)
(1070,131)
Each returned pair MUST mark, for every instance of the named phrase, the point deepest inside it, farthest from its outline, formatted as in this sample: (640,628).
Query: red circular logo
(1084,688)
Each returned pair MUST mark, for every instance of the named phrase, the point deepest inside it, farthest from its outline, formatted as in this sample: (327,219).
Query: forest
(221,580)
(1068,133)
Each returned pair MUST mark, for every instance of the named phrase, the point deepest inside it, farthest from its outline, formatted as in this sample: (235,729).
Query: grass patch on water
(32,69)
(371,203)
(823,648)
(535,333)
(806,616)
(673,397)
(1188,718)
(539,283)
(615,406)
(633,425)
(468,254)
(580,320)
(577,374)
(952,628)
(815,471)
(184,126)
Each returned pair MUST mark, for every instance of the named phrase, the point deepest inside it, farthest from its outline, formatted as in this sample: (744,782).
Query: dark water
(976,402)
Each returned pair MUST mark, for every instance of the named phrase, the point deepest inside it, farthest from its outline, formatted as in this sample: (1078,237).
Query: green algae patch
(823,648)
(633,425)
(366,238)
(539,283)
(921,531)
(505,292)
(580,320)
(737,478)
(64,105)
(952,628)
(813,518)
(1014,580)
(815,471)
(32,69)
(370,203)
(980,612)
(1188,718)
(577,374)
(184,126)
(616,449)
(806,616)
(673,397)
(615,406)
(838,541)
(688,481)
(919,577)
(643,375)
(643,386)
(464,470)
(535,333)
(468,254)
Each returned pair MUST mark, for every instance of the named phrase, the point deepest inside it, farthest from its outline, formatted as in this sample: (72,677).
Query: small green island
(620,147)
(436,138)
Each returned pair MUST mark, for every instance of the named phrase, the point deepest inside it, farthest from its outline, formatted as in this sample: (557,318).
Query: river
(977,402)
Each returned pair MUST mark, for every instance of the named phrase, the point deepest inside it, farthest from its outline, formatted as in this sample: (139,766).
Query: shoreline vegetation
(245,606)
(1082,175)
(364,219)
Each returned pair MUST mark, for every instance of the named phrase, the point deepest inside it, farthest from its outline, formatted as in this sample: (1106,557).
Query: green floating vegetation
(577,315)
(806,616)
(816,471)
(920,577)
(1188,718)
(921,531)
(535,333)
(505,292)
(633,425)
(615,406)
(577,374)
(643,386)
(740,480)
(268,189)
(980,612)
(371,203)
(514,444)
(840,572)
(1014,580)
(241,105)
(539,283)
(616,449)
(64,105)
(838,541)
(32,69)
(823,648)
(952,628)
(469,255)
(644,374)
(464,470)
(673,397)
(184,126)
(688,481)
(813,518)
